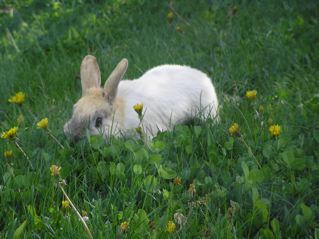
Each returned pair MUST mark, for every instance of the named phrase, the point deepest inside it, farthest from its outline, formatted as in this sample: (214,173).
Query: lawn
(254,174)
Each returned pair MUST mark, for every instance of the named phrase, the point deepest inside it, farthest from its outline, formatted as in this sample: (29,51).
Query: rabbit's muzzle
(73,130)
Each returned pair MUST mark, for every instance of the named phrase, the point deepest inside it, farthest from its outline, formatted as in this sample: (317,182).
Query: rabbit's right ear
(111,84)
(90,74)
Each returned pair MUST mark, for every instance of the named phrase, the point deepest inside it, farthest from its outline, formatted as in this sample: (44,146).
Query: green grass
(251,185)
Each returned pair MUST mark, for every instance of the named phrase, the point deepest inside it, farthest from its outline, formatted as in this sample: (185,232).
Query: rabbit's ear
(90,74)
(113,81)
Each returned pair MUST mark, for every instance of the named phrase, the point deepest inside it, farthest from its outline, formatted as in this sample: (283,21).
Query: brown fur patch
(119,106)
(92,101)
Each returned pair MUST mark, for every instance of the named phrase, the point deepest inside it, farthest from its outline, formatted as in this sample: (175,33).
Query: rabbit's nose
(75,138)
(72,133)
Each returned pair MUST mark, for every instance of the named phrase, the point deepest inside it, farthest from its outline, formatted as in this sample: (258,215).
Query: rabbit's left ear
(111,84)
(90,74)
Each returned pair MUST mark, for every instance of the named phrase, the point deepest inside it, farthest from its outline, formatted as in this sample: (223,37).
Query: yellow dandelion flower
(18,98)
(43,124)
(177,181)
(65,204)
(138,108)
(275,130)
(10,134)
(171,227)
(251,94)
(234,129)
(124,226)
(170,16)
(8,154)
(55,170)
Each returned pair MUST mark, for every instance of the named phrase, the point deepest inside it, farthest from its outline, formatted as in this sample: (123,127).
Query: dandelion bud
(65,204)
(124,226)
(275,130)
(138,108)
(234,129)
(55,170)
(171,227)
(177,181)
(8,154)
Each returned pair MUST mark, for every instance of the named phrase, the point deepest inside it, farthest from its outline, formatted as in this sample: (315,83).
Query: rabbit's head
(93,112)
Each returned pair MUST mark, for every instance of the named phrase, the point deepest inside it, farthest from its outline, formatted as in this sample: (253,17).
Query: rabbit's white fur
(170,94)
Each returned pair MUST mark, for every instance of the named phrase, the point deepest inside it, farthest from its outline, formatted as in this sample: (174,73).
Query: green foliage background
(248,186)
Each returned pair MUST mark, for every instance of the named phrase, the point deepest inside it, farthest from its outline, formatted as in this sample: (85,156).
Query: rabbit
(170,94)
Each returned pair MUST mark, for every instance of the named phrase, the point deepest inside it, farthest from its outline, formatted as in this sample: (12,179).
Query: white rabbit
(170,94)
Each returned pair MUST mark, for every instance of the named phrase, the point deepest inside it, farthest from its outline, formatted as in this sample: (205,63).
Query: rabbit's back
(171,82)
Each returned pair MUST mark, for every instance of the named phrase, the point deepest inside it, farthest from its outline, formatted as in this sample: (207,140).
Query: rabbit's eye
(98,122)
